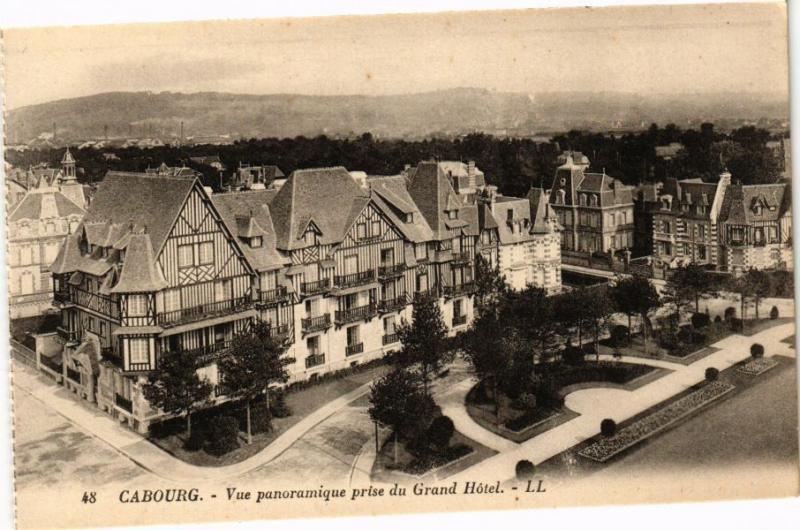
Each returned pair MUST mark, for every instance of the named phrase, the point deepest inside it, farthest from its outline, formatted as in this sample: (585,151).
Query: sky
(654,49)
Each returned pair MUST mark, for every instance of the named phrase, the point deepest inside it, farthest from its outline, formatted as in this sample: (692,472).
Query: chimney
(491,194)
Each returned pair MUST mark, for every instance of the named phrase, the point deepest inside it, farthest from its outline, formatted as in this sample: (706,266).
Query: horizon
(644,51)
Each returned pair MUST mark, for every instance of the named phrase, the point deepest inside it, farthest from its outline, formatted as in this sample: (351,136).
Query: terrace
(204,311)
(312,324)
(356,313)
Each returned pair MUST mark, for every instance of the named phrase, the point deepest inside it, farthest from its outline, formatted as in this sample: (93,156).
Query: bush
(547,394)
(736,324)
(773,313)
(223,435)
(712,374)
(524,470)
(197,440)
(573,355)
(588,349)
(277,404)
(730,312)
(608,427)
(525,401)
(418,443)
(757,351)
(619,336)
(440,431)
(700,320)
(717,319)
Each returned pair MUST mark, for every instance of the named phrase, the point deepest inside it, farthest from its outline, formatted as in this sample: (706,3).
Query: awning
(294,269)
(76,278)
(327,263)
(250,313)
(355,289)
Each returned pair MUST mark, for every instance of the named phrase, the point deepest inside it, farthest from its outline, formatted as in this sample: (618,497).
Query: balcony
(202,312)
(428,294)
(354,349)
(312,324)
(461,258)
(391,271)
(459,320)
(355,279)
(124,404)
(62,297)
(92,301)
(315,359)
(460,289)
(280,333)
(73,375)
(316,287)
(108,355)
(209,353)
(393,304)
(271,297)
(390,338)
(67,335)
(354,314)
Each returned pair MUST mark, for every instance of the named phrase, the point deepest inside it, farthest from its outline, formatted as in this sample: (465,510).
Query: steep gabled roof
(542,213)
(30,207)
(739,204)
(140,273)
(254,207)
(391,195)
(321,195)
(431,190)
(151,203)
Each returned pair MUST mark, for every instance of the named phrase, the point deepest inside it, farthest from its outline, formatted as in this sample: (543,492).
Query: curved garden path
(595,404)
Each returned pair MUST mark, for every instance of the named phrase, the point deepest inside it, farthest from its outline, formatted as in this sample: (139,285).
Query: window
(773,234)
(376,228)
(312,345)
(560,196)
(701,231)
(137,305)
(452,214)
(701,252)
(206,252)
(224,290)
(758,236)
(255,242)
(185,255)
(583,199)
(352,336)
(172,300)
(388,325)
(422,283)
(387,257)
(138,351)
(737,235)
(593,200)
(310,237)
(409,218)
(458,308)
(361,230)
(420,251)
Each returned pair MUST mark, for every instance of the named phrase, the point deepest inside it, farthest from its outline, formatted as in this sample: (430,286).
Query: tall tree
(761,286)
(490,285)
(423,341)
(485,351)
(254,362)
(176,388)
(636,295)
(532,313)
(688,283)
(573,312)
(396,400)
(598,308)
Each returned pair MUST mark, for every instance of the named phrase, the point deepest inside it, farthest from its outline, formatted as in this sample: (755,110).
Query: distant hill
(445,112)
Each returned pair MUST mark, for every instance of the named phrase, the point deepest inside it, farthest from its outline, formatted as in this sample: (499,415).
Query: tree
(574,312)
(636,295)
(760,286)
(532,313)
(598,309)
(485,351)
(692,281)
(396,400)
(423,342)
(254,362)
(176,388)
(490,285)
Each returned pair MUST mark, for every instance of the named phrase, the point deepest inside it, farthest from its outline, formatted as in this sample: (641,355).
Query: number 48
(89,497)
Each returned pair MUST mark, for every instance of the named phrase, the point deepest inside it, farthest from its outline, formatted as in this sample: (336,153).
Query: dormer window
(361,230)
(757,209)
(452,214)
(560,196)
(310,237)
(256,242)
(409,218)
(583,199)
(593,200)
(563,181)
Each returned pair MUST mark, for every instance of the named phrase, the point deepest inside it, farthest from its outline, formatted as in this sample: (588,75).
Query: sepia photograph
(275,268)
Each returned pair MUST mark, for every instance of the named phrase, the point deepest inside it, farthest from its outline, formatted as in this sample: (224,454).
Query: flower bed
(604,449)
(757,366)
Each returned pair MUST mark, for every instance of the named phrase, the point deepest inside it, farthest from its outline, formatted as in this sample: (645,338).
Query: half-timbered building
(152,269)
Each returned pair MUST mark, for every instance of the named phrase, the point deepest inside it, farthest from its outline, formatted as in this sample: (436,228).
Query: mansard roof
(328,196)
(31,206)
(757,202)
(249,210)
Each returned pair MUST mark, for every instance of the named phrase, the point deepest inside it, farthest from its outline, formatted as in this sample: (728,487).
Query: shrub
(717,319)
(773,313)
(619,336)
(588,349)
(525,401)
(223,435)
(757,351)
(547,394)
(700,320)
(712,374)
(524,470)
(418,443)
(573,355)
(197,440)
(730,312)
(277,404)
(608,427)
(440,431)
(736,324)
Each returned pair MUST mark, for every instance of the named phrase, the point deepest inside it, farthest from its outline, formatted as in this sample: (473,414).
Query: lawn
(518,424)
(301,402)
